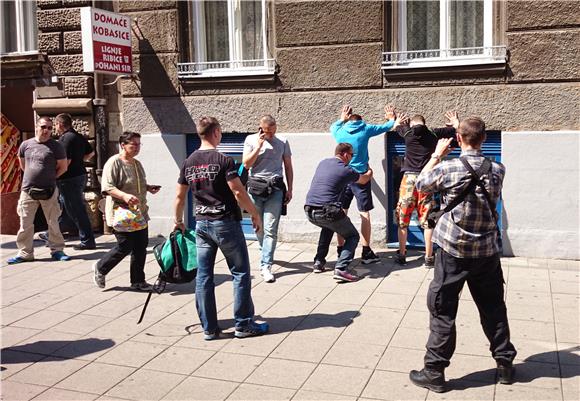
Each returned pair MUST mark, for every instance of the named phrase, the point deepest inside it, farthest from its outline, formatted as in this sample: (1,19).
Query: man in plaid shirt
(468,251)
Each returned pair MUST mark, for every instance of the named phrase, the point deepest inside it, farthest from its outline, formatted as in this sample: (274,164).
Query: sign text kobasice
(106,41)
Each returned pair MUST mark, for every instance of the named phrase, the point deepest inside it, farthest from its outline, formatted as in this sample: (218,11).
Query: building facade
(514,63)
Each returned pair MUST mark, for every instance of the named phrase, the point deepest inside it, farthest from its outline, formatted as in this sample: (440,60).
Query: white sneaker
(267,275)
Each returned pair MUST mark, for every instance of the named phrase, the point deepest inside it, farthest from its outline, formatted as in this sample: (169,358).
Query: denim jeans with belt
(270,209)
(342,226)
(72,202)
(225,234)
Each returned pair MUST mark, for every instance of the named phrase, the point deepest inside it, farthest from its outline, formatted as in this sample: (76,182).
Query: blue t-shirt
(358,133)
(330,178)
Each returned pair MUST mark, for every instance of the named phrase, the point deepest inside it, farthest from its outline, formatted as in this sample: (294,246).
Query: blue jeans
(342,226)
(72,202)
(270,209)
(226,235)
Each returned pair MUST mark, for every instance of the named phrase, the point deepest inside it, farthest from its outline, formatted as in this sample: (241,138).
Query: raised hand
(452,118)
(345,112)
(390,112)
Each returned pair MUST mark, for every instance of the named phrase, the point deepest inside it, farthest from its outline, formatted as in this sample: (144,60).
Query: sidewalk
(65,339)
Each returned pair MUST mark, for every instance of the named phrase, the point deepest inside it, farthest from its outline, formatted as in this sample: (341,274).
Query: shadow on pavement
(288,324)
(8,245)
(528,370)
(292,268)
(309,321)
(29,352)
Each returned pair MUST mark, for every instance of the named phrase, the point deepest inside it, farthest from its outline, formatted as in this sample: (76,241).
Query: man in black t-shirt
(217,190)
(324,209)
(420,143)
(72,183)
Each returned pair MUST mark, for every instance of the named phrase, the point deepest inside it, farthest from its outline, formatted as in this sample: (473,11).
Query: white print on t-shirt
(202,172)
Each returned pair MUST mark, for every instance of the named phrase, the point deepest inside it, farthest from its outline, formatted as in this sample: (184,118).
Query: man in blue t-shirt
(324,209)
(351,128)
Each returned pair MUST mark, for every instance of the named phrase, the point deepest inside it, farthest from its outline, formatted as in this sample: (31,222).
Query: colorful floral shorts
(410,199)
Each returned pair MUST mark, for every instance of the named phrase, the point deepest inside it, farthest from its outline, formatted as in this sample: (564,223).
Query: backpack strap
(485,167)
(159,285)
(476,176)
(176,254)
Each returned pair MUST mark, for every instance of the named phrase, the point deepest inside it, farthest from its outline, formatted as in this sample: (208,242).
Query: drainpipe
(100,121)
(100,117)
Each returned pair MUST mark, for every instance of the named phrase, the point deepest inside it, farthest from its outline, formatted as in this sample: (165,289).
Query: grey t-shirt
(269,161)
(40,162)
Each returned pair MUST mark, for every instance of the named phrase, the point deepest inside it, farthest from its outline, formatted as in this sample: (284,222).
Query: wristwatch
(434,156)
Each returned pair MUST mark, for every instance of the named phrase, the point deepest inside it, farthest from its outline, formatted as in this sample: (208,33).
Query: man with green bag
(217,191)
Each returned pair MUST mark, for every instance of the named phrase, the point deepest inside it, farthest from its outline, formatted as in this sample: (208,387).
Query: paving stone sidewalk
(65,339)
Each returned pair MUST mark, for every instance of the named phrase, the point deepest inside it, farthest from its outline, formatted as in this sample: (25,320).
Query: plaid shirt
(469,230)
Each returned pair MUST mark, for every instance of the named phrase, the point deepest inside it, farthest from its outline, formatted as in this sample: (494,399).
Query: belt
(308,208)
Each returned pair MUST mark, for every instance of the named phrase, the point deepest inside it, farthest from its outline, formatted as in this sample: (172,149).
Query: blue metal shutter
(395,153)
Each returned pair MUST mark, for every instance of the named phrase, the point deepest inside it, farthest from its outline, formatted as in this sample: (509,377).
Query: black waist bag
(40,193)
(259,187)
(333,212)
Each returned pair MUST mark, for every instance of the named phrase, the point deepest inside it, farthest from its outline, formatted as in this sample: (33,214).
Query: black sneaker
(506,373)
(431,379)
(212,335)
(429,262)
(318,267)
(339,250)
(252,330)
(84,247)
(400,259)
(368,256)
(143,286)
(98,277)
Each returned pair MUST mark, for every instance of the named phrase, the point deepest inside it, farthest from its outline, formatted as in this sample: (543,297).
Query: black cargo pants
(484,277)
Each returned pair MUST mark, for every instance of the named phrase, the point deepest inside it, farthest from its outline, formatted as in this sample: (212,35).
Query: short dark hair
(268,120)
(472,131)
(206,126)
(65,119)
(41,118)
(418,119)
(354,117)
(127,136)
(343,147)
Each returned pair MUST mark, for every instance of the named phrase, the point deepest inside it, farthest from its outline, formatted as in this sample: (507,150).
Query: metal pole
(101,126)
(100,118)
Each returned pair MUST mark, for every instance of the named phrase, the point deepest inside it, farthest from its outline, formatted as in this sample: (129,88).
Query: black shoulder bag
(485,167)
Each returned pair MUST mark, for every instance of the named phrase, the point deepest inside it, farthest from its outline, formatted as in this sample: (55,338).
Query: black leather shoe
(431,379)
(506,373)
(82,247)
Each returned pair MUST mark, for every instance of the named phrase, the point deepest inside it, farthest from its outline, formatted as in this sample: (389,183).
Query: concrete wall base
(540,194)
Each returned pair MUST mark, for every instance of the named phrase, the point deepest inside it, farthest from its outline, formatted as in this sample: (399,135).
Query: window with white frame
(443,32)
(19,32)
(228,38)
